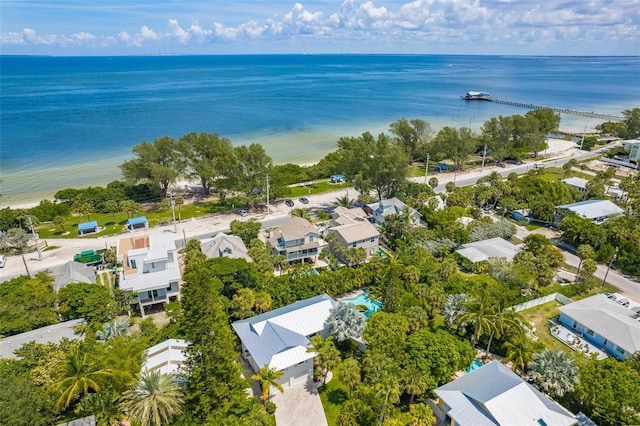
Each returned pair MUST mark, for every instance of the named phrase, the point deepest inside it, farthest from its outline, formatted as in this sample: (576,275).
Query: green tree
(248,170)
(454,144)
(416,383)
(554,371)
(22,401)
(27,303)
(83,207)
(349,373)
(89,301)
(207,156)
(412,135)
(59,221)
(14,239)
(79,377)
(247,230)
(386,332)
(268,377)
(584,252)
(113,328)
(155,399)
(389,390)
(111,206)
(519,351)
(631,123)
(131,208)
(433,182)
(158,163)
(373,164)
(345,202)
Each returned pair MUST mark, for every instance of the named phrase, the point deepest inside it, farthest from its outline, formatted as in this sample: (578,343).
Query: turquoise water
(69,121)
(475,364)
(363,299)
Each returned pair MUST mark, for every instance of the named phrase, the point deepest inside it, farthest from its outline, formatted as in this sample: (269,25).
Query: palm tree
(346,322)
(505,320)
(328,359)
(389,390)
(263,301)
(554,371)
(155,399)
(519,351)
(415,383)
(344,202)
(350,373)
(113,328)
(454,307)
(59,221)
(79,378)
(317,345)
(303,213)
(268,377)
(433,182)
(479,315)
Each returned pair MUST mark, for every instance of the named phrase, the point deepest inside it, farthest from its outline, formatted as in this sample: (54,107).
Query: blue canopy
(336,177)
(87,225)
(137,221)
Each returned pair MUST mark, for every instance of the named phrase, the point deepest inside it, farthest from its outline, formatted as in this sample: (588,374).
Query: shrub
(271,407)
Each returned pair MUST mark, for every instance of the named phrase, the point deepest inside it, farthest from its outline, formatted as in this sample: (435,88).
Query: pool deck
(350,295)
(575,341)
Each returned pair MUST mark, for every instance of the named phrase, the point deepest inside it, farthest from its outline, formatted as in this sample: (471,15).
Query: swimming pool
(363,299)
(475,364)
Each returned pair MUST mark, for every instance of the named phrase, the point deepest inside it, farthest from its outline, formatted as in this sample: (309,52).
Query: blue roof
(137,220)
(337,176)
(87,225)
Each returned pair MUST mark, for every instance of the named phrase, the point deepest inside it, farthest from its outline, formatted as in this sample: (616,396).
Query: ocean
(70,121)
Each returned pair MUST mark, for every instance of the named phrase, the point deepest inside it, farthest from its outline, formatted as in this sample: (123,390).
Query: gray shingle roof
(223,245)
(494,395)
(72,272)
(593,209)
(607,319)
(279,337)
(492,248)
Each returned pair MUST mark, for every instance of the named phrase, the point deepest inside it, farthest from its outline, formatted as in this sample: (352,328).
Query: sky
(478,27)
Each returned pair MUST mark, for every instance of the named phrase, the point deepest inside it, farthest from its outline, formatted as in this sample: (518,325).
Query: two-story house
(384,208)
(150,269)
(353,229)
(297,239)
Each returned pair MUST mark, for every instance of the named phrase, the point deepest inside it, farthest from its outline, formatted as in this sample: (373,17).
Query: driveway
(299,405)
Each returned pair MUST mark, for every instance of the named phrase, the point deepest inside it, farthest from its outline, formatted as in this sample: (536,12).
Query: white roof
(494,395)
(576,181)
(167,357)
(48,334)
(486,249)
(160,245)
(279,338)
(608,319)
(593,209)
(151,280)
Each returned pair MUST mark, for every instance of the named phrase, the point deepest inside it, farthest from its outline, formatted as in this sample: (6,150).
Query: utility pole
(615,254)
(583,135)
(25,266)
(173,212)
(267,195)
(426,169)
(35,237)
(484,155)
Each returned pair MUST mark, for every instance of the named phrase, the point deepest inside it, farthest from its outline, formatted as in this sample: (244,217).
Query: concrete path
(299,405)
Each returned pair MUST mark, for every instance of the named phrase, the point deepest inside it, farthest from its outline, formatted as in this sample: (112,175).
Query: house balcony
(575,341)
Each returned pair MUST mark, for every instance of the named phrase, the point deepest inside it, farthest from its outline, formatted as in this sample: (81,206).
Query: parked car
(500,165)
(304,200)
(289,203)
(514,161)
(2,260)
(242,212)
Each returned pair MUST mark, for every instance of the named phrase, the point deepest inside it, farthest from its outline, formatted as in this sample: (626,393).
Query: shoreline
(555,146)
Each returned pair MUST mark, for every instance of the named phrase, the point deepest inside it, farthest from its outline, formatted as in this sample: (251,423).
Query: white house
(493,395)
(297,239)
(484,250)
(150,269)
(577,183)
(391,206)
(595,210)
(605,324)
(166,357)
(633,146)
(353,229)
(280,338)
(223,245)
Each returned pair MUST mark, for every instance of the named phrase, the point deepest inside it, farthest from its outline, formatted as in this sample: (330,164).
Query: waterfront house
(223,245)
(493,395)
(633,146)
(383,208)
(595,210)
(480,251)
(297,240)
(280,338)
(149,269)
(605,324)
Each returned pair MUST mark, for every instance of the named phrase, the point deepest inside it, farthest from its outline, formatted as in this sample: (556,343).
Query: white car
(2,260)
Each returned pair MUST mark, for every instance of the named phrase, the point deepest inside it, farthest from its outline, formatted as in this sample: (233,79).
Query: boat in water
(476,96)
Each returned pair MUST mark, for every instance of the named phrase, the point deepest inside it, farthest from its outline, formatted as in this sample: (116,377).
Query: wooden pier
(606,117)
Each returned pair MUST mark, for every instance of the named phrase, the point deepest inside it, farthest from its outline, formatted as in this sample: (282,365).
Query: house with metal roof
(166,357)
(577,183)
(280,338)
(493,395)
(480,251)
(150,269)
(353,229)
(47,334)
(383,208)
(223,245)
(297,240)
(595,210)
(605,324)
(72,272)
(137,223)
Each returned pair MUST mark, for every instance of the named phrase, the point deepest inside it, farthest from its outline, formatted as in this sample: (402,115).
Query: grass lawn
(333,395)
(415,171)
(532,226)
(539,316)
(315,188)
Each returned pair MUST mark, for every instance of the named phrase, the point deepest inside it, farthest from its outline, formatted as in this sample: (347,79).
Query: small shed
(441,167)
(337,179)
(87,227)
(137,223)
